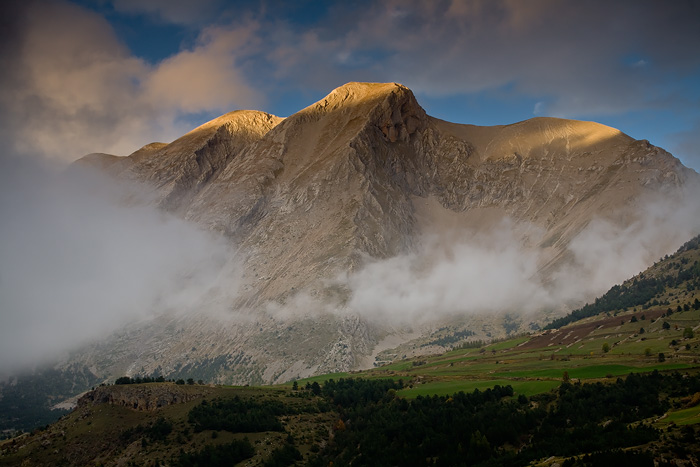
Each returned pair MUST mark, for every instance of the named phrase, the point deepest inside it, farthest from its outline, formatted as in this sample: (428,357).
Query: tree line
(154,379)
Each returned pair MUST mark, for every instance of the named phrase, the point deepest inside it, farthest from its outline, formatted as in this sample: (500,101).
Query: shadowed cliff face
(362,205)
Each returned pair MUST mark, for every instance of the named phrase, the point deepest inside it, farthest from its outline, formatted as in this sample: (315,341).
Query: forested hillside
(493,427)
(26,399)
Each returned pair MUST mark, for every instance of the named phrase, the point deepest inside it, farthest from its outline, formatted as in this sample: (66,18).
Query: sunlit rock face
(363,175)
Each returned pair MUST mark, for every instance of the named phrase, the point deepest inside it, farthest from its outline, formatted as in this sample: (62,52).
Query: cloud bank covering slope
(79,259)
(495,272)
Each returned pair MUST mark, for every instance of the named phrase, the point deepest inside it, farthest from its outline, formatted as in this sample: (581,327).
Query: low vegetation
(222,455)
(267,426)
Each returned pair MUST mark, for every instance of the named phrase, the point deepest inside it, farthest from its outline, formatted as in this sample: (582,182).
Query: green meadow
(681,417)
(598,354)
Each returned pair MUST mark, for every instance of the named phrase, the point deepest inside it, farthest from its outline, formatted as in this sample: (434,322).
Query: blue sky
(112,75)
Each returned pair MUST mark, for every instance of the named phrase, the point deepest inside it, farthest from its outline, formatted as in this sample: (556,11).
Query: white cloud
(206,77)
(480,274)
(77,263)
(496,272)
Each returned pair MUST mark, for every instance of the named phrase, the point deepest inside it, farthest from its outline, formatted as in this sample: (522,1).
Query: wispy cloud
(206,77)
(184,12)
(73,88)
(569,52)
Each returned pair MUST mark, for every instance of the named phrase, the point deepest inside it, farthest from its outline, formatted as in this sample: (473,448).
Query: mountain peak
(244,124)
(358,92)
(391,107)
(249,119)
(355,95)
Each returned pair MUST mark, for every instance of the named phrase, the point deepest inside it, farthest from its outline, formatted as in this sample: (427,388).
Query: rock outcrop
(143,397)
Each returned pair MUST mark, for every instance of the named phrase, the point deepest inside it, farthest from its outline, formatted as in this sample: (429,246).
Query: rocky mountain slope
(366,171)
(362,175)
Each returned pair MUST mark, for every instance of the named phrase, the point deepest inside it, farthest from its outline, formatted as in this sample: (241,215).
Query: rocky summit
(364,175)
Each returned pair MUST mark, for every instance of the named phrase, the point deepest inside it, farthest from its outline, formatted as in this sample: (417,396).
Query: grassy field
(681,417)
(446,388)
(537,363)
